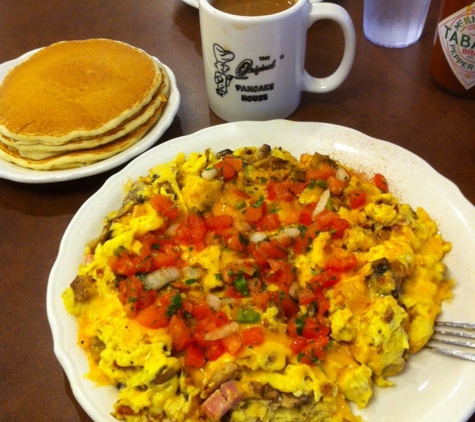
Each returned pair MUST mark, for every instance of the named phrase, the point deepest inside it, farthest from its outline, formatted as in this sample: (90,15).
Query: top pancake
(75,89)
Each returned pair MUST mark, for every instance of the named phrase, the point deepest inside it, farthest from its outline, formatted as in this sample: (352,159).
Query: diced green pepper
(241,286)
(248,316)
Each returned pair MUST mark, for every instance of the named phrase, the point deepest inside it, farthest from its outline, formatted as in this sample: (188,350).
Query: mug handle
(335,13)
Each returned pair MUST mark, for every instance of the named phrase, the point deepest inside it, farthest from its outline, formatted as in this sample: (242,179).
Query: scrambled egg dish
(251,285)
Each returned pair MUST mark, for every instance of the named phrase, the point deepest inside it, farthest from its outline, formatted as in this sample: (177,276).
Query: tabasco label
(457,38)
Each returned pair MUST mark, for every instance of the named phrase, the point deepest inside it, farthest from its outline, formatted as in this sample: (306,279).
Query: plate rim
(195,3)
(466,209)
(13,172)
(192,3)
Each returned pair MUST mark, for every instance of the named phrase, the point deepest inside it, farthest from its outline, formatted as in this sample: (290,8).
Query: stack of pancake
(74,103)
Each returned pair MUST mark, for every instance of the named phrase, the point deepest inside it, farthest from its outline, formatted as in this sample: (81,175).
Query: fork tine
(454,333)
(456,324)
(453,353)
(463,331)
(453,342)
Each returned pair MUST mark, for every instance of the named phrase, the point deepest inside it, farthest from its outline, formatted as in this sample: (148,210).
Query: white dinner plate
(432,388)
(194,3)
(16,173)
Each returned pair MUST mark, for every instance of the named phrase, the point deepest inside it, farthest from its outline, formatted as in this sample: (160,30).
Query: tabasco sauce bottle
(452,63)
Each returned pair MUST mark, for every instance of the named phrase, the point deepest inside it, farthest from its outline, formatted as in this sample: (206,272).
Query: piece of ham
(216,406)
(222,400)
(231,392)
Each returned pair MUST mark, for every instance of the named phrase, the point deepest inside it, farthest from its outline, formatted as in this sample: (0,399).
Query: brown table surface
(389,95)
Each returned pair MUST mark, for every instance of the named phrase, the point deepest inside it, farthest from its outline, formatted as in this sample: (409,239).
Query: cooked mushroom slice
(263,151)
(165,373)
(251,156)
(132,198)
(224,152)
(318,159)
(386,278)
(380,266)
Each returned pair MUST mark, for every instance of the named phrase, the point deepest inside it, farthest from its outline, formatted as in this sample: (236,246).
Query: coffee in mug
(252,7)
(254,65)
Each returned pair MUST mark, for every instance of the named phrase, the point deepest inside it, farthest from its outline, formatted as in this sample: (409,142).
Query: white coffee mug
(254,65)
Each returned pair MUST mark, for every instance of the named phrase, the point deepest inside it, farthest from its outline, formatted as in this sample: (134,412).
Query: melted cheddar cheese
(297,283)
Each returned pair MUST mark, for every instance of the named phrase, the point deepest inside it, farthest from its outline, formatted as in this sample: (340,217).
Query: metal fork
(455,339)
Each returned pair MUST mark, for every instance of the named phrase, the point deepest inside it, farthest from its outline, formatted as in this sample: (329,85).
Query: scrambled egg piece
(256,285)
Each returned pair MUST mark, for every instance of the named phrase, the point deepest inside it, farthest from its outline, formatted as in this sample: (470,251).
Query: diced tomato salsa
(266,274)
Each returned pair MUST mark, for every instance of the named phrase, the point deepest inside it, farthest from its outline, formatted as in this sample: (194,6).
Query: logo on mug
(244,70)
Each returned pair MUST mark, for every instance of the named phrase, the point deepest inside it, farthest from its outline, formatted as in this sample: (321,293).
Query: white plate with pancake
(16,173)
(432,388)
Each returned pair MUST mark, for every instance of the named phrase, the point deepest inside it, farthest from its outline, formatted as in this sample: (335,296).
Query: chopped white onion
(213,301)
(191,272)
(291,232)
(242,226)
(161,277)
(256,237)
(341,174)
(209,173)
(171,229)
(322,203)
(222,332)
